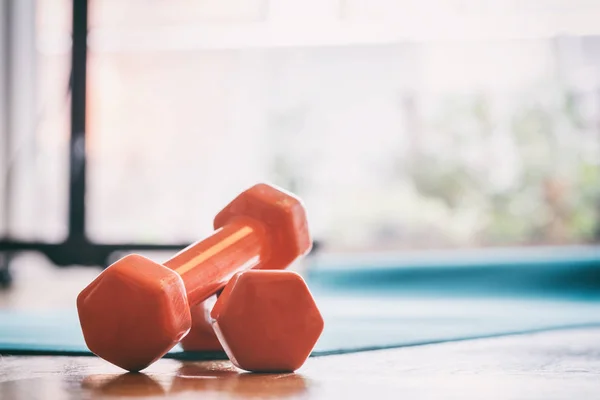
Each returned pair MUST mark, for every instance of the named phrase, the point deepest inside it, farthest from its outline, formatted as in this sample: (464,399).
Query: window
(475,125)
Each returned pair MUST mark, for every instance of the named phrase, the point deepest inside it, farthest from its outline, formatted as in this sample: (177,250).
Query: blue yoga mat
(399,301)
(352,323)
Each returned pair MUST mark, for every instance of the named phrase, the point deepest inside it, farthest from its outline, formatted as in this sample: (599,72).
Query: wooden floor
(548,365)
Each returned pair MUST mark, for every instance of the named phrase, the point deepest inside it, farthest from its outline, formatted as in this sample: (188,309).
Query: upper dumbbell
(136,310)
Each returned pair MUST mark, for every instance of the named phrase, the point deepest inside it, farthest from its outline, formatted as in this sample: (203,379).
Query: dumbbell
(136,310)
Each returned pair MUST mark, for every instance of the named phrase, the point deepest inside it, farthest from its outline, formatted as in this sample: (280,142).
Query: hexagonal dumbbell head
(284,216)
(267,321)
(134,312)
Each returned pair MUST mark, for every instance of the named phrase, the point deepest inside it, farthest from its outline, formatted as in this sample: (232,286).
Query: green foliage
(555,195)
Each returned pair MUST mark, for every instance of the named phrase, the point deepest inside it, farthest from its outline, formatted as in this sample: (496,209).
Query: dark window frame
(76,249)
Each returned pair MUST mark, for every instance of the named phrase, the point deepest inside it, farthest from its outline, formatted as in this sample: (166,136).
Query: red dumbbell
(136,310)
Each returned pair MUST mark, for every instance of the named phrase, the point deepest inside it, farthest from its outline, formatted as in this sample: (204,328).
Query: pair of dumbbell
(265,318)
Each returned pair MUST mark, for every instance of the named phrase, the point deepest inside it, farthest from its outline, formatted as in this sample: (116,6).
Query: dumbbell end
(267,321)
(282,213)
(134,312)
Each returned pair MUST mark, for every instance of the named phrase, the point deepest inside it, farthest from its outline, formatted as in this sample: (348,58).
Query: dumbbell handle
(207,265)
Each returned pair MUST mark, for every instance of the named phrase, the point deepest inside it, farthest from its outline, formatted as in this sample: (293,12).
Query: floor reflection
(193,379)
(205,377)
(124,385)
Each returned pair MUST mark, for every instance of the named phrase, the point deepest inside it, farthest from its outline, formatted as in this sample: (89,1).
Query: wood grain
(549,365)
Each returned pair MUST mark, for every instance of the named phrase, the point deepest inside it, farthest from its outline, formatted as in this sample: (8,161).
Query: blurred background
(403,125)
(447,151)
